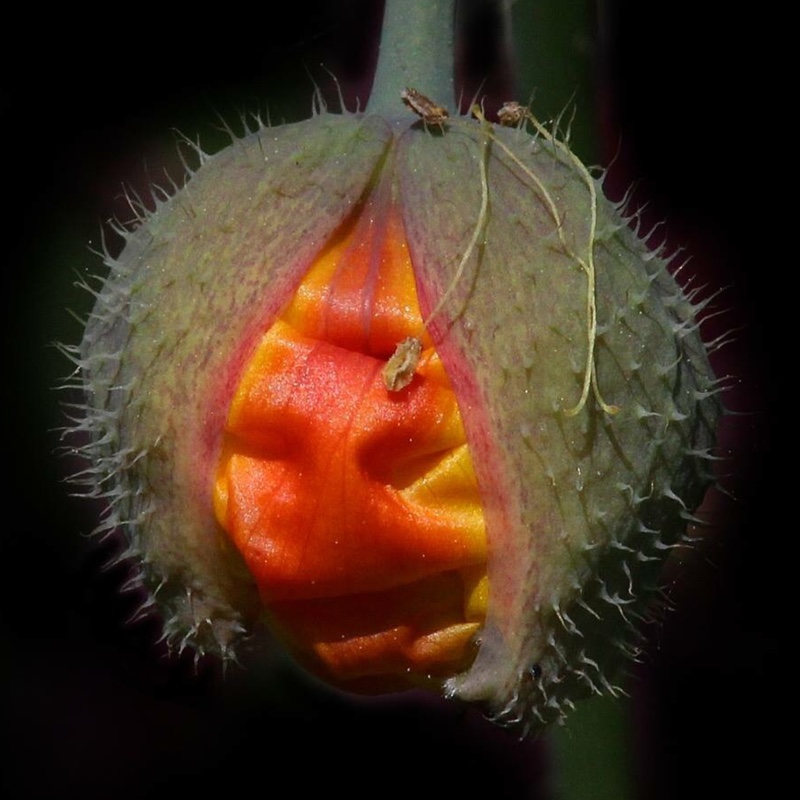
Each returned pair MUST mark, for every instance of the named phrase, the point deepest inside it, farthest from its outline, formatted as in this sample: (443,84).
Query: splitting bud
(412,392)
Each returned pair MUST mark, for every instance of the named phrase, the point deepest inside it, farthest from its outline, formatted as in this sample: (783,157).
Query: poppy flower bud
(407,388)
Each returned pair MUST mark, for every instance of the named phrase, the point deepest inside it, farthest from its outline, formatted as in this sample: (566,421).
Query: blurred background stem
(591,755)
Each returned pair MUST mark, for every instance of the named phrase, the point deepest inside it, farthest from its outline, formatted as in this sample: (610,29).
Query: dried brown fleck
(431,113)
(512,113)
(401,367)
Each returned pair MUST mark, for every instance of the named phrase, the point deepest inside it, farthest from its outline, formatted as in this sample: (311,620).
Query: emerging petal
(356,507)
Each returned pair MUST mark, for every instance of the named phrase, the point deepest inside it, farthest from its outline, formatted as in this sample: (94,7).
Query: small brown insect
(512,113)
(425,107)
(401,367)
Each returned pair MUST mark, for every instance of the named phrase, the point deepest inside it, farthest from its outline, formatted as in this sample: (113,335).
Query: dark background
(89,707)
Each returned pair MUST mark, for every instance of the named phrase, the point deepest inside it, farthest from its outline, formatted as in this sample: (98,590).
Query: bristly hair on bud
(582,390)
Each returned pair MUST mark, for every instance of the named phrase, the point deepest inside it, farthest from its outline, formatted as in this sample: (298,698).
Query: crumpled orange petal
(356,508)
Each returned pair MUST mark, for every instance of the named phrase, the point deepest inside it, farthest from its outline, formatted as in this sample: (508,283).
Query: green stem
(416,51)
